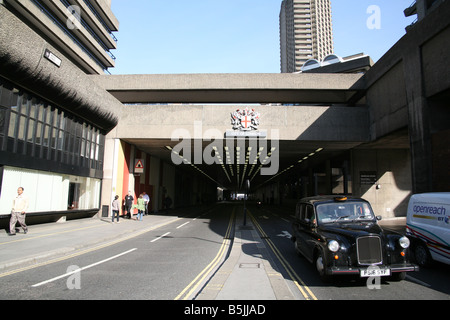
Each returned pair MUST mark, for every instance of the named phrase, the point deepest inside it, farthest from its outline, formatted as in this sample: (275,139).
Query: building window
(34,128)
(61,192)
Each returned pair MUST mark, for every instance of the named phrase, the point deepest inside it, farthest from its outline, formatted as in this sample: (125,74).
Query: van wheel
(422,255)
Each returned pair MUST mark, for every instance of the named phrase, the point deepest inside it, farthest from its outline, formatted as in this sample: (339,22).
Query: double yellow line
(306,292)
(192,287)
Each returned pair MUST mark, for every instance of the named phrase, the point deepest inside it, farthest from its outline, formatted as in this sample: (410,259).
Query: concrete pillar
(419,122)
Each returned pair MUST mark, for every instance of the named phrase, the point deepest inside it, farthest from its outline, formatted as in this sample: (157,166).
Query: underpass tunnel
(198,171)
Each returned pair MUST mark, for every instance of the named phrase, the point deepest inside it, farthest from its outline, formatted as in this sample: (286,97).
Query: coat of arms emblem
(245,120)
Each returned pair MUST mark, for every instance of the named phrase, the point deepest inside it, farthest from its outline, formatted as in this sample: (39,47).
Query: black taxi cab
(340,236)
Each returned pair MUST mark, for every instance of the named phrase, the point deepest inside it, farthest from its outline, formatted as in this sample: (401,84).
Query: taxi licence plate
(374,272)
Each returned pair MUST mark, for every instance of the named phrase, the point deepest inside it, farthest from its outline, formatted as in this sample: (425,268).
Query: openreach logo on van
(434,212)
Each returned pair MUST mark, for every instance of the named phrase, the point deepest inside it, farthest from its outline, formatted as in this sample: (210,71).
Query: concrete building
(76,138)
(53,117)
(306,32)
(421,8)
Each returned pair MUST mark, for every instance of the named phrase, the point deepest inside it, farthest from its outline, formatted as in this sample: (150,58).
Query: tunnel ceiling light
(288,168)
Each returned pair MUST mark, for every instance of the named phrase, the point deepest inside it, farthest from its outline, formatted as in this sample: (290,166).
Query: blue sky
(237,36)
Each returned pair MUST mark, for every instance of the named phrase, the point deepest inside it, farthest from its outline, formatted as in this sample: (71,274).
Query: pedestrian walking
(146,201)
(128,203)
(140,206)
(18,212)
(115,206)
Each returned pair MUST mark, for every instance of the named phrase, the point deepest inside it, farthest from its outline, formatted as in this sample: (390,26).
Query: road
(174,261)
(159,264)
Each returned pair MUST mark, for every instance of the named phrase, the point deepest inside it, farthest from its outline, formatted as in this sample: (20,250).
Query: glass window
(2,121)
(60,140)
(33,108)
(24,105)
(92,150)
(41,115)
(309,214)
(12,124)
(24,117)
(46,136)
(54,138)
(344,211)
(97,142)
(60,191)
(14,98)
(31,127)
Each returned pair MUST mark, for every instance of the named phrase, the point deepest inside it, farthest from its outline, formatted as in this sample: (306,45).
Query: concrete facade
(89,47)
(53,118)
(232,88)
(407,88)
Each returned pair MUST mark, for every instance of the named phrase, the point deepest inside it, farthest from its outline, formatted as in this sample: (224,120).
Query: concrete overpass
(232,88)
(151,114)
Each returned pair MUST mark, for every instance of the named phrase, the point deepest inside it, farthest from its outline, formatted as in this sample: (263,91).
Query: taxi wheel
(320,267)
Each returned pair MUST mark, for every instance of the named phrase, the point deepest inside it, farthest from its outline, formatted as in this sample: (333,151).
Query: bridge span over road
(157,106)
(312,122)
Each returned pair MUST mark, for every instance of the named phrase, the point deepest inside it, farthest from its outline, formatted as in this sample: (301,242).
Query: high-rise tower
(305,32)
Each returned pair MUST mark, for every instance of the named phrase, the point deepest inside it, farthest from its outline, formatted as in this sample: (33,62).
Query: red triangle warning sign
(139,166)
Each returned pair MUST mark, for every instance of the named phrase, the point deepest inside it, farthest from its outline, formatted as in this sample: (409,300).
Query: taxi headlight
(333,246)
(404,242)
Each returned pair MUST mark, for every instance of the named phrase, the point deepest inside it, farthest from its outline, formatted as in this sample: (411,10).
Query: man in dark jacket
(128,202)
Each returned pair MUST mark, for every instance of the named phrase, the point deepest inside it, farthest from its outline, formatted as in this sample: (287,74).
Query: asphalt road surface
(171,262)
(159,264)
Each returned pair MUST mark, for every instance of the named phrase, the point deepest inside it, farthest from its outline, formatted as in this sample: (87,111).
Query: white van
(428,226)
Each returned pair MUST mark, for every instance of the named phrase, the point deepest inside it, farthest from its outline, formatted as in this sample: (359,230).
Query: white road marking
(182,225)
(81,269)
(156,239)
(285,234)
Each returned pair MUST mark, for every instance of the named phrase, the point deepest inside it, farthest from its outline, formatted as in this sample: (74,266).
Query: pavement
(247,273)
